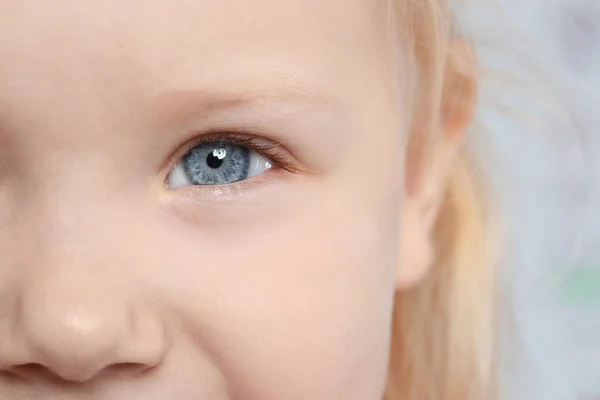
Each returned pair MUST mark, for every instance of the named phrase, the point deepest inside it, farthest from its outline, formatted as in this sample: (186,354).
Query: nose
(77,330)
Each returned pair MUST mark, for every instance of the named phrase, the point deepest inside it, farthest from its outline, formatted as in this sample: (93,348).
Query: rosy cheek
(311,313)
(286,304)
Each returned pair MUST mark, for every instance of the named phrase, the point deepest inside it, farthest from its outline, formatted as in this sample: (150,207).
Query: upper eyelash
(263,146)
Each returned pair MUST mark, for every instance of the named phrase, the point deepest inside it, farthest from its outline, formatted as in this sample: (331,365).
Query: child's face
(264,266)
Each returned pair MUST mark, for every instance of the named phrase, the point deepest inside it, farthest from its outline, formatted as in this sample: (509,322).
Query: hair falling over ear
(442,343)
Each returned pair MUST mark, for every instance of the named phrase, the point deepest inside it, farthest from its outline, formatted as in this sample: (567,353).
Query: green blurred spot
(582,287)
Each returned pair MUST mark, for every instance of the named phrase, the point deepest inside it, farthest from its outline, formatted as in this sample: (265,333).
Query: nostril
(30,371)
(10,375)
(37,371)
(128,369)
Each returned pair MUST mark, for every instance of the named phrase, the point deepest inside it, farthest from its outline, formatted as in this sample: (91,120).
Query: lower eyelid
(232,194)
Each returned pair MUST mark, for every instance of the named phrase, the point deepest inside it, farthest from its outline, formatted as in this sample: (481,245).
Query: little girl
(249,200)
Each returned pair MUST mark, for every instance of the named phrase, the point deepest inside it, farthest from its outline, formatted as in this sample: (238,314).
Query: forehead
(153,34)
(108,56)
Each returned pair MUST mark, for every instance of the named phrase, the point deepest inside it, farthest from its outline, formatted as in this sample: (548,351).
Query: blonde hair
(442,337)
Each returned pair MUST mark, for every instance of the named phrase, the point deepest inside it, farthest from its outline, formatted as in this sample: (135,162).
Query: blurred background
(541,112)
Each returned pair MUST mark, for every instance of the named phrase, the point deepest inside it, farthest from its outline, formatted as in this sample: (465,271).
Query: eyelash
(275,151)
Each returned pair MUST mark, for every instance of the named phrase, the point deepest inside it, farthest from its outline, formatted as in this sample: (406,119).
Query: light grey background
(541,149)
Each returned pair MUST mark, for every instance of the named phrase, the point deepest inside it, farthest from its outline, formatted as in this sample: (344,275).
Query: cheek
(298,309)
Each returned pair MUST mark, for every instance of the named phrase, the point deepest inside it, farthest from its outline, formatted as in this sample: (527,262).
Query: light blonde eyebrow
(175,105)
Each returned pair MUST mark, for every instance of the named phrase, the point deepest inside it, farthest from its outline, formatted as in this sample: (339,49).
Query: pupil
(213,162)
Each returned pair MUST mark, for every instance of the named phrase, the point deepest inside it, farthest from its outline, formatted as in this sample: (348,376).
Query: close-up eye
(217,163)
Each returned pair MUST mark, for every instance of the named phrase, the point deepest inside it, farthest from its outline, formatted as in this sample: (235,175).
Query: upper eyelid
(305,124)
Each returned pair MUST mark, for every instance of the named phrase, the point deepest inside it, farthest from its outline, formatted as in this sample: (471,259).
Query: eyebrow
(175,105)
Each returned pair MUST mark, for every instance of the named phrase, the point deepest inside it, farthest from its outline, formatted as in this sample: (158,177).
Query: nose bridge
(73,208)
(74,219)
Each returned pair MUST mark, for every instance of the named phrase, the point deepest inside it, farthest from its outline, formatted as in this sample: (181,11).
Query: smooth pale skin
(113,286)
